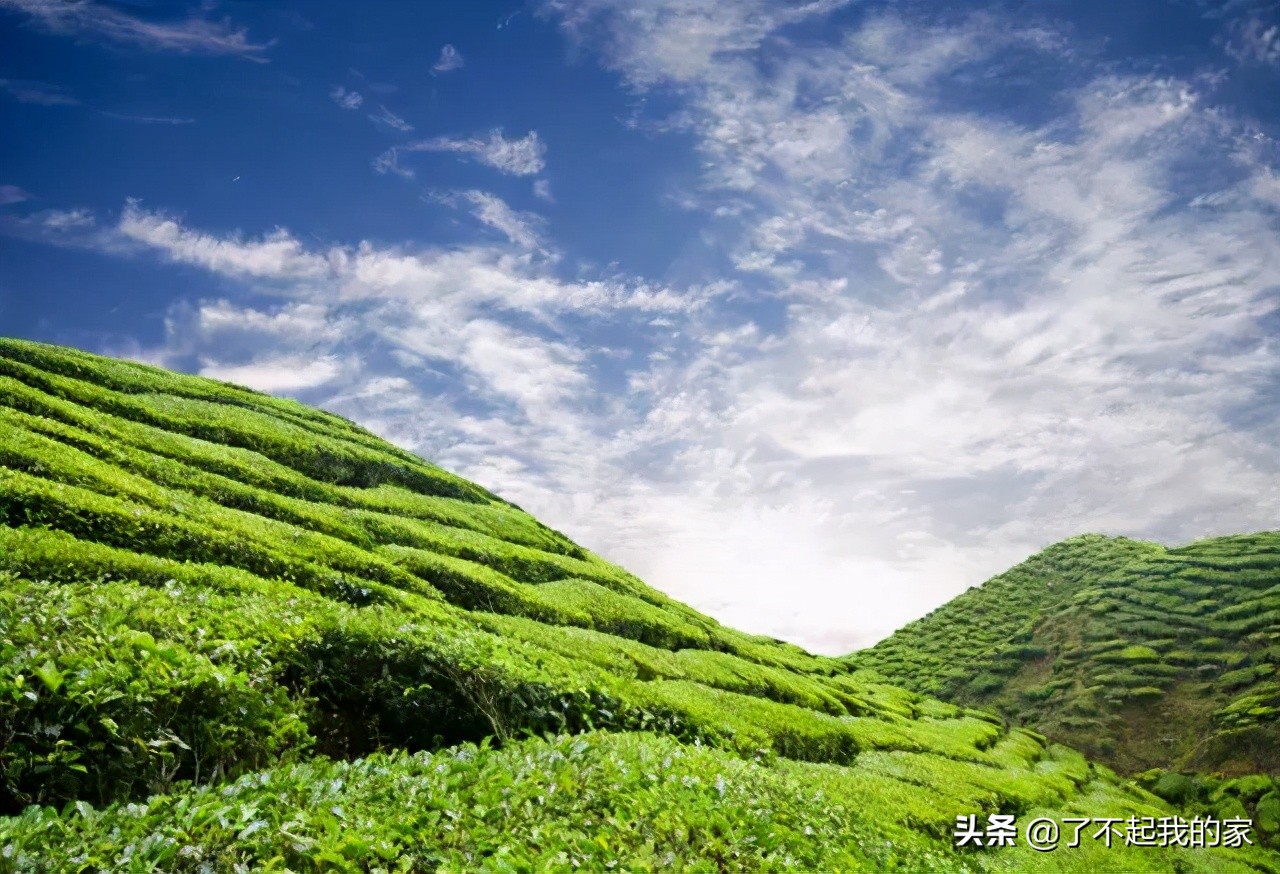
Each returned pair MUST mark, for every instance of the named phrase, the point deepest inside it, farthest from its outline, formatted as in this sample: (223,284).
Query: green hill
(1141,656)
(236,631)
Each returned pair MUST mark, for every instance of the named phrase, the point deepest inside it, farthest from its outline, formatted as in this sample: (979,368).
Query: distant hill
(238,633)
(1139,655)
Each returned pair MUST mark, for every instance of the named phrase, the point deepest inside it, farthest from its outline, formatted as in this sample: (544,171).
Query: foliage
(596,802)
(1255,796)
(1140,655)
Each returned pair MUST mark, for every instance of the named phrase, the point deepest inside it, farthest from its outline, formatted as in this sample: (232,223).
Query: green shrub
(111,711)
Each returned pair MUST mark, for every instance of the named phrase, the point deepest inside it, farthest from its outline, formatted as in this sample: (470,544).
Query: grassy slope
(1139,655)
(237,630)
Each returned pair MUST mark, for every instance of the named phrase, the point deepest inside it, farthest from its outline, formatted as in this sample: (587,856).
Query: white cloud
(218,320)
(148,119)
(344,98)
(542,190)
(538,374)
(491,321)
(66,219)
(677,41)
(40,93)
(193,36)
(389,162)
(285,373)
(12,194)
(524,229)
(1256,40)
(276,256)
(450,59)
(520,157)
(386,117)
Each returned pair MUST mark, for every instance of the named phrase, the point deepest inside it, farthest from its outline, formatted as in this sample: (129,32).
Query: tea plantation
(1142,657)
(237,633)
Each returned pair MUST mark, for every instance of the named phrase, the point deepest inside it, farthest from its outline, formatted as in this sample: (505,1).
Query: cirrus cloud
(517,157)
(193,36)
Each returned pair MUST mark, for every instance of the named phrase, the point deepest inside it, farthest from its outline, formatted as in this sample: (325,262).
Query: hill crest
(1141,655)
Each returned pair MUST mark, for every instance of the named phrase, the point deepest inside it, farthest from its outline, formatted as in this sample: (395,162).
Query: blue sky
(813,314)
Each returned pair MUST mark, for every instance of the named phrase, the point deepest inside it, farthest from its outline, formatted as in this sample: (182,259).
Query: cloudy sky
(812,314)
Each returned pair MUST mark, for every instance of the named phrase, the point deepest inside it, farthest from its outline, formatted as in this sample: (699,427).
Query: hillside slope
(238,631)
(1141,656)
